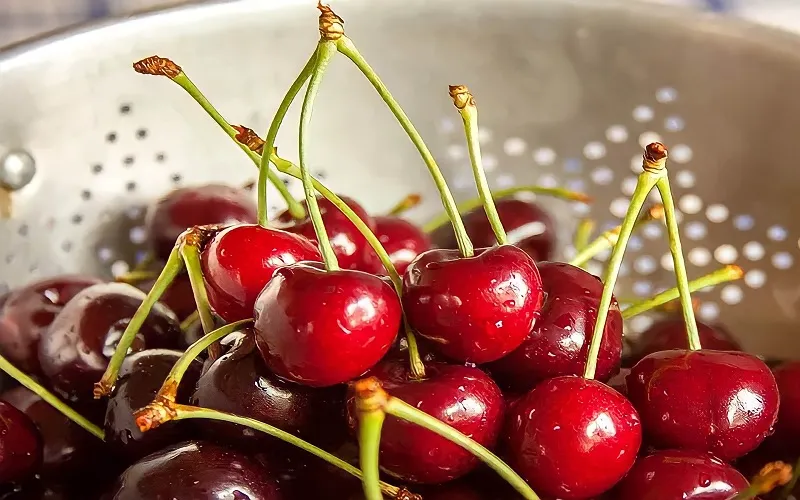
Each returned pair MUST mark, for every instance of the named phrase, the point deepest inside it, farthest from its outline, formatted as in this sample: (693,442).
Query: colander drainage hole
(141,133)
(77,219)
(97,168)
(111,137)
(130,186)
(128,161)
(160,157)
(86,194)
(176,178)
(125,109)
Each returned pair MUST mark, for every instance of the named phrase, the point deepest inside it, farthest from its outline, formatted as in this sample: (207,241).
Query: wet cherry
(673,474)
(572,438)
(477,309)
(241,259)
(670,333)
(787,429)
(185,207)
(20,445)
(322,328)
(401,239)
(722,402)
(28,311)
(558,343)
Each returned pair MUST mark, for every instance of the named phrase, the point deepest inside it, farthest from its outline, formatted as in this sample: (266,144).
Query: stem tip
(249,138)
(156,65)
(156,413)
(655,151)
(370,395)
(735,270)
(771,476)
(102,389)
(461,95)
(331,26)
(404,494)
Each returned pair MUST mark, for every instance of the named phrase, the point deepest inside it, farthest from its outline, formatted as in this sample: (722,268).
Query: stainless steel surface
(568,92)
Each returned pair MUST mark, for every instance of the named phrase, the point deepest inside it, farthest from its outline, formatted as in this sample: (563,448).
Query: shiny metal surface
(568,91)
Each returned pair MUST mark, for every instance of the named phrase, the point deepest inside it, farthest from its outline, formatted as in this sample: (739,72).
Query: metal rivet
(17,169)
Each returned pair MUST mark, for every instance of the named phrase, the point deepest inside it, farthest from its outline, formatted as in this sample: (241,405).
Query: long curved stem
(191,259)
(370,422)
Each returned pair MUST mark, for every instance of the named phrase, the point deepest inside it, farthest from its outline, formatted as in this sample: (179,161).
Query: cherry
(617,382)
(529,227)
(185,207)
(27,312)
(722,402)
(572,438)
(241,259)
(239,382)
(351,248)
(559,341)
(76,348)
(20,445)
(402,240)
(461,396)
(670,333)
(141,377)
(671,474)
(477,309)
(322,328)
(193,469)
(787,429)
(178,295)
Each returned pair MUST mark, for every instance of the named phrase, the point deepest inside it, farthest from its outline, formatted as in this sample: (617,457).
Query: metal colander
(568,91)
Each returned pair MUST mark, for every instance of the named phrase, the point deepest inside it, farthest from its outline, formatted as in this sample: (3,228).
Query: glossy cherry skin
(322,328)
(559,341)
(239,382)
(476,309)
(721,402)
(401,239)
(185,207)
(787,429)
(676,474)
(20,445)
(461,396)
(196,470)
(75,350)
(140,378)
(28,311)
(527,226)
(572,438)
(670,333)
(240,260)
(348,243)
(178,296)
(617,382)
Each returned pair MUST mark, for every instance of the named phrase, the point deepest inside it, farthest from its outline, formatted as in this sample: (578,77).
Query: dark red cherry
(461,396)
(527,225)
(670,333)
(401,239)
(722,402)
(322,328)
(140,378)
(28,311)
(196,206)
(348,243)
(241,259)
(476,309)
(20,445)
(572,438)
(178,296)
(617,382)
(75,350)
(40,489)
(239,382)
(787,429)
(675,474)
(196,470)
(559,341)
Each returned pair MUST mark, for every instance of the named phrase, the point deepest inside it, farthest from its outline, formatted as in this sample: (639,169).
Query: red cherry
(322,328)
(195,206)
(20,445)
(28,311)
(722,402)
(239,261)
(349,245)
(401,239)
(674,474)
(558,343)
(573,438)
(670,333)
(787,429)
(478,309)
(461,396)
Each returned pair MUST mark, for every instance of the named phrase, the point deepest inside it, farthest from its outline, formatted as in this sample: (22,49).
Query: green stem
(647,180)
(136,276)
(272,134)
(583,234)
(172,268)
(679,264)
(473,203)
(369,445)
(325,51)
(191,259)
(190,320)
(469,114)
(404,205)
(414,358)
(49,398)
(723,275)
(346,47)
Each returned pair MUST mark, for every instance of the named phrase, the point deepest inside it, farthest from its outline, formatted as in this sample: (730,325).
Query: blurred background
(21,19)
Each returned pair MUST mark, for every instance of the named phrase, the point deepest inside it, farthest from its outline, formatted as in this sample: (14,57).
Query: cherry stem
(144,264)
(136,276)
(680,266)
(770,476)
(348,48)
(653,163)
(372,395)
(473,203)
(722,275)
(172,268)
(405,205)
(788,488)
(583,234)
(609,238)
(272,135)
(190,320)
(6,203)
(191,259)
(370,423)
(49,397)
(465,103)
